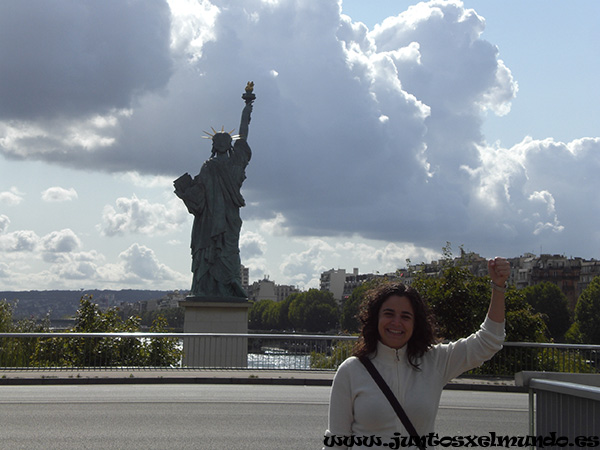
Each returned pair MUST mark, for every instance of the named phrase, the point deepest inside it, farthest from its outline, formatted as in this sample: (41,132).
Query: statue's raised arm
(248,97)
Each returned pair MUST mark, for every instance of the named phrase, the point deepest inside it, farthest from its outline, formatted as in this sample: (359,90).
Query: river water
(290,362)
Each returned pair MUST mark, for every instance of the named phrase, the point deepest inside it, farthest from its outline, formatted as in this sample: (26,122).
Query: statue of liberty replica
(214,198)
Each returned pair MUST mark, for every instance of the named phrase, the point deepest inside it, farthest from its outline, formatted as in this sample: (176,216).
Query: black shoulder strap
(393,401)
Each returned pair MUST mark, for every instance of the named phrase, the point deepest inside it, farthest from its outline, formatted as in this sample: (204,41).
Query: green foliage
(90,319)
(6,317)
(511,360)
(255,314)
(348,321)
(173,318)
(163,351)
(339,353)
(573,335)
(17,351)
(275,315)
(458,300)
(283,310)
(523,324)
(313,311)
(84,352)
(547,298)
(550,360)
(587,314)
(87,351)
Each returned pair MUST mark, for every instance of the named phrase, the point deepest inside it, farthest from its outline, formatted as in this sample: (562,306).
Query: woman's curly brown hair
(423,335)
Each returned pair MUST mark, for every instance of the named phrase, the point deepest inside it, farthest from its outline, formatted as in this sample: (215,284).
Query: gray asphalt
(215,417)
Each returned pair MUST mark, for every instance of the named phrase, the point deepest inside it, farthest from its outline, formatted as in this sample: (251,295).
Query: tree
(255,314)
(459,301)
(86,351)
(547,298)
(108,351)
(275,315)
(163,351)
(18,351)
(269,315)
(348,320)
(523,324)
(283,309)
(6,317)
(313,311)
(586,328)
(174,317)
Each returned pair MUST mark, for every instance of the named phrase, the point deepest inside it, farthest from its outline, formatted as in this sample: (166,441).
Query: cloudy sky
(381,130)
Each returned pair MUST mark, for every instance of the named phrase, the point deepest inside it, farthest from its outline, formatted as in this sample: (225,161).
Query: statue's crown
(215,132)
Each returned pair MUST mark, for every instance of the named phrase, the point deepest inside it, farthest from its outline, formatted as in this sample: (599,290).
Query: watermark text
(491,439)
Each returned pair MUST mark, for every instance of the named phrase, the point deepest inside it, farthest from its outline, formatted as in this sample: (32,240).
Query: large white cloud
(56,261)
(140,216)
(539,192)
(141,262)
(19,241)
(59,194)
(11,197)
(302,267)
(73,267)
(252,245)
(57,244)
(363,132)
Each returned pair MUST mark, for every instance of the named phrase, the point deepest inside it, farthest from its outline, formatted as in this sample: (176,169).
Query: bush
(339,353)
(87,351)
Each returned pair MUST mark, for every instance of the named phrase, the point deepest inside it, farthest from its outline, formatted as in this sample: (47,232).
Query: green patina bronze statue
(214,198)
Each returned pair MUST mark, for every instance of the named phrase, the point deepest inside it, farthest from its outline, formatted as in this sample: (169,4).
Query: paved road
(215,417)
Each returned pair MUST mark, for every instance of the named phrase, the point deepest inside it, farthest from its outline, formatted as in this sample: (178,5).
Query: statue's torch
(249,96)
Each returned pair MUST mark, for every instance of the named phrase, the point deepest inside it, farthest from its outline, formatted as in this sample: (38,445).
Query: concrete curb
(163,380)
(484,387)
(279,378)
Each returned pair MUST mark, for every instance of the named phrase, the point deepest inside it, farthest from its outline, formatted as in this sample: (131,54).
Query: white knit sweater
(358,407)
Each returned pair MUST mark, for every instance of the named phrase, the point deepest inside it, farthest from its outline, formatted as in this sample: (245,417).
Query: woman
(398,338)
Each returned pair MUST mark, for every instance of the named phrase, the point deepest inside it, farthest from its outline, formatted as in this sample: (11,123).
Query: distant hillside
(62,304)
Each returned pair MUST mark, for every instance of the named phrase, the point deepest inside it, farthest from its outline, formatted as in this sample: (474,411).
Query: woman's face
(396,321)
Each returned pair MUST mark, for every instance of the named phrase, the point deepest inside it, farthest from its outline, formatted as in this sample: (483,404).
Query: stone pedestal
(215,315)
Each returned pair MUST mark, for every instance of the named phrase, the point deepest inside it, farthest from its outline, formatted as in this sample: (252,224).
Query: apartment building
(571,275)
(266,289)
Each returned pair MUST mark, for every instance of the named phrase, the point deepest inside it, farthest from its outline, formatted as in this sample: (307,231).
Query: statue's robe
(215,199)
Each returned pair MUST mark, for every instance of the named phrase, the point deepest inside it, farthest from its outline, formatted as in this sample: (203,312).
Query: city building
(170,300)
(283,291)
(561,271)
(588,271)
(571,275)
(245,277)
(262,290)
(341,284)
(333,281)
(266,289)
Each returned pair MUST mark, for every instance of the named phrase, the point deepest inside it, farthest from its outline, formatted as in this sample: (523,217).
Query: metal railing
(546,357)
(39,351)
(569,410)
